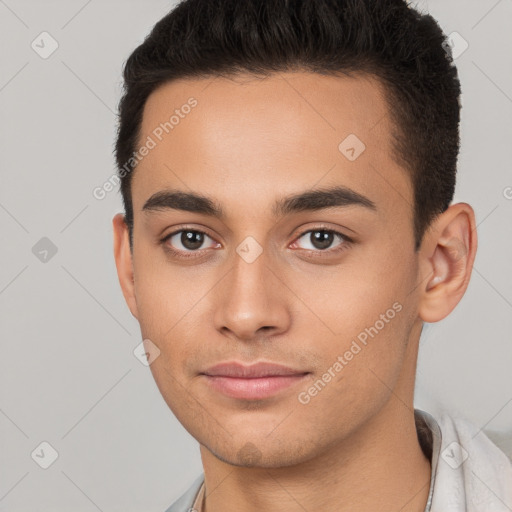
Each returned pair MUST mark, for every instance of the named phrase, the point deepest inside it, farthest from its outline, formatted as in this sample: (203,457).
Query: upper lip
(262,369)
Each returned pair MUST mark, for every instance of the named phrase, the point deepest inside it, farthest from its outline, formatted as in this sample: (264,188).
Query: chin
(261,455)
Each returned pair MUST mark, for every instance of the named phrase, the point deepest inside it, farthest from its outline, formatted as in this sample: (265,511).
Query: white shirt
(469,472)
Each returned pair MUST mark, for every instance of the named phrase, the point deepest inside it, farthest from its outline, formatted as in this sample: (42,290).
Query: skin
(248,143)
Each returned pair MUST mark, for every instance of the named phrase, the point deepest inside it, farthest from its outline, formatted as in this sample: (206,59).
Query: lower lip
(255,388)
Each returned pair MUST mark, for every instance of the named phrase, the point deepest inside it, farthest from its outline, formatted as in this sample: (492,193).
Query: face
(272,224)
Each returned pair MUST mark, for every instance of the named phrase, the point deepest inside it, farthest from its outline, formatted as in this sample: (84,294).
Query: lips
(250,372)
(254,382)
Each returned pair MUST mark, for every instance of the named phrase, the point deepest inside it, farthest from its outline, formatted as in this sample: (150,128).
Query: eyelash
(194,254)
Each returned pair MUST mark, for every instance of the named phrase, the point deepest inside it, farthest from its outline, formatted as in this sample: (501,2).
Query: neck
(381,466)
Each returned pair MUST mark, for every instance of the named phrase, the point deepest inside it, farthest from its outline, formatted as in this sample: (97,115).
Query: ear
(124,264)
(446,261)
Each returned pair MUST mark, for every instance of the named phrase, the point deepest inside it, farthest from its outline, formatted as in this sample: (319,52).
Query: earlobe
(124,263)
(447,262)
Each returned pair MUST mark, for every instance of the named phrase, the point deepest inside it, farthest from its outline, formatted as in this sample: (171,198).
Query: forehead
(246,139)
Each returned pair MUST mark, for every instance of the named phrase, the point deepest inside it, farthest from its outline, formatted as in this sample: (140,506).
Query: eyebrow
(312,200)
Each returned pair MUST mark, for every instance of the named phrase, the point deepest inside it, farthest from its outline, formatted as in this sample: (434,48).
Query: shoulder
(469,469)
(475,440)
(186,501)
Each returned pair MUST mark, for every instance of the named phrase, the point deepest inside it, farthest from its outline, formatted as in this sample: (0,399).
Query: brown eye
(187,240)
(321,239)
(191,239)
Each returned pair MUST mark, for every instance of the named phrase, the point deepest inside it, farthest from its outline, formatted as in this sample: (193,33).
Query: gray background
(69,376)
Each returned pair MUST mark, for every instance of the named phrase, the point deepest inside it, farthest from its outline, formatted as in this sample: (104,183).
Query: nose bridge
(250,261)
(248,279)
(250,298)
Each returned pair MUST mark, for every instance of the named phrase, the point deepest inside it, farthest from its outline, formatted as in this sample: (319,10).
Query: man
(287,169)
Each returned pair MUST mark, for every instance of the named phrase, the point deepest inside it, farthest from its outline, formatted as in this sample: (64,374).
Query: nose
(252,301)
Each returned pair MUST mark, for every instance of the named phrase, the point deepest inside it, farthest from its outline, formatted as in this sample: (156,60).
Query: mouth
(254,382)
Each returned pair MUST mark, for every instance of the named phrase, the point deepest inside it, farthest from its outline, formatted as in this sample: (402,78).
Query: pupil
(192,239)
(321,239)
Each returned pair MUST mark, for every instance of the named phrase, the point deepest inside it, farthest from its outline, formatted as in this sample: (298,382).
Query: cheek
(366,364)
(360,322)
(164,296)
(169,303)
